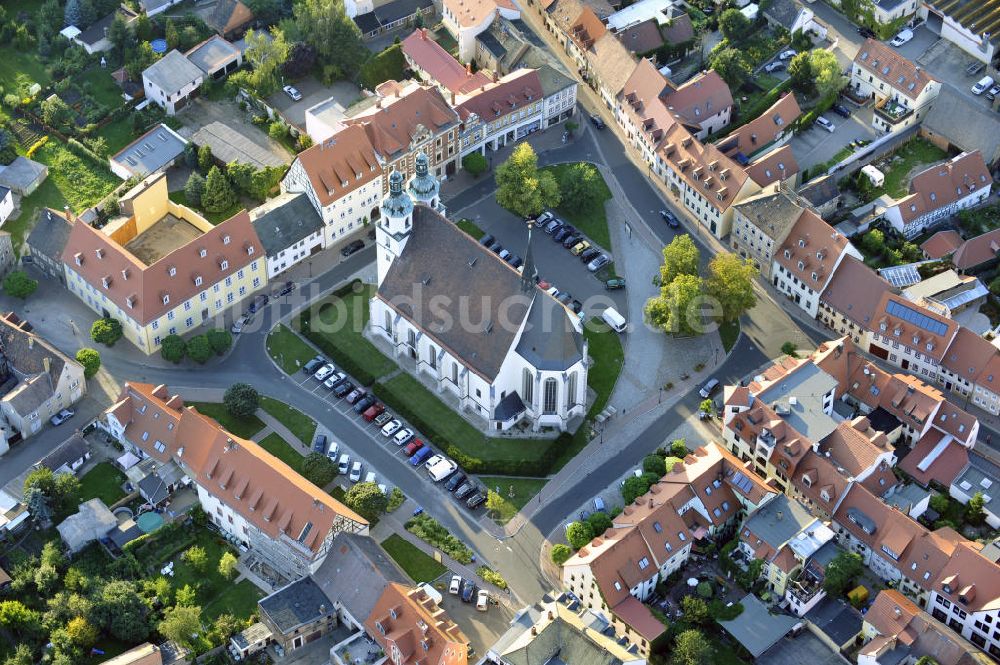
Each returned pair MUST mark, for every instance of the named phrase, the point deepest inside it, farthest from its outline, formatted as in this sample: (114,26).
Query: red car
(413,447)
(373,412)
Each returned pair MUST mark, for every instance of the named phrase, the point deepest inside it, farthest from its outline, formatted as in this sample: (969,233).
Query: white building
(961,24)
(505,111)
(902,91)
(290,231)
(171,81)
(6,204)
(457,315)
(467,19)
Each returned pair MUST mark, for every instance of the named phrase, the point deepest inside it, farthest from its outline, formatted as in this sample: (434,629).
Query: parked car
(412,447)
(787,54)
(974,68)
(775,66)
(553,226)
(456,585)
(598,263)
(563,233)
(599,506)
(286,289)
(901,37)
(597,121)
(335,378)
(496,248)
(468,591)
(402,436)
(709,388)
(615,284)
(351,248)
(465,489)
(486,240)
(258,304)
(344,464)
(313,364)
(319,445)
(370,477)
(333,452)
(373,412)
(504,254)
(825,124)
(439,468)
(62,417)
(355,472)
(343,388)
(992,93)
(564,297)
(589,255)
(452,484)
(391,428)
(241,323)
(841,110)
(982,85)
(421,456)
(483,600)
(324,372)
(571,240)
(362,404)
(293,92)
(865,32)
(382,419)
(515,261)
(576,306)
(475,500)
(670,218)
(355,395)
(544,219)
(580,247)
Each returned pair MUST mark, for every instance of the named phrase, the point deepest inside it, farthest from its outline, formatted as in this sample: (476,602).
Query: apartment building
(762,222)
(289,229)
(286,523)
(507,110)
(848,303)
(902,91)
(411,628)
(466,19)
(641,111)
(703,104)
(699,498)
(160,268)
(771,129)
(911,337)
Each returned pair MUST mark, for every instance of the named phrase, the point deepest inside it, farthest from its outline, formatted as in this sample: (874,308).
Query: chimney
(452,97)
(423,34)
(468,69)
(496,77)
(534,631)
(47,364)
(69,213)
(551,616)
(378,102)
(781,515)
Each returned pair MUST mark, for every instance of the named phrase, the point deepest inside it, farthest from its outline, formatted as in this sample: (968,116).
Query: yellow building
(161,269)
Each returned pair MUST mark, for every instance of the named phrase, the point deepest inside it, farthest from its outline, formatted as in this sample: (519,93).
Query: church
(468,322)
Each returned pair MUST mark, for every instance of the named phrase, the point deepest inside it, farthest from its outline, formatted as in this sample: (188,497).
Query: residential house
(763,221)
(956,121)
(772,128)
(172,81)
(966,596)
(558,628)
(700,497)
(144,654)
(940,191)
(703,104)
(948,293)
(216,57)
(645,26)
(23,176)
(777,165)
(609,63)
(6,204)
(962,25)
(981,476)
(95,38)
(13,515)
(977,255)
(388,16)
(68,457)
(258,501)
(507,110)
(156,150)
(411,628)
(792,16)
(289,229)
(902,91)
(230,19)
(43,248)
(909,336)
(806,261)
(432,63)
(848,303)
(823,195)
(641,112)
(90,523)
(942,244)
(161,269)
(466,19)
(297,614)
(39,381)
(836,623)
(154,7)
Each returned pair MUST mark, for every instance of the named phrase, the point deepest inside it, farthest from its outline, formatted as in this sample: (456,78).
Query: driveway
(806,648)
(948,63)
(816,145)
(231,136)
(342,94)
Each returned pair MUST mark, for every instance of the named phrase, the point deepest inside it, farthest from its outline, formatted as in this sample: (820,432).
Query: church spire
(528,271)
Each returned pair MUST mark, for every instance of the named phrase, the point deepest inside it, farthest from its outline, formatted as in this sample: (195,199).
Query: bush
(433,533)
(241,400)
(579,534)
(318,469)
(396,499)
(599,522)
(106,331)
(199,349)
(367,500)
(705,589)
(173,348)
(560,554)
(18,285)
(654,464)
(91,361)
(475,164)
(220,340)
(277,130)
(492,576)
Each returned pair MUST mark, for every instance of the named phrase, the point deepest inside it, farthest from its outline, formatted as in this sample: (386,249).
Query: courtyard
(163,237)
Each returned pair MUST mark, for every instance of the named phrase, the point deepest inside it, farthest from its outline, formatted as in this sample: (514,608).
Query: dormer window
(802,242)
(202,252)
(224,264)
(801,265)
(882,327)
(166,298)
(930,346)
(78,258)
(130,302)
(106,281)
(250,250)
(172,271)
(916,339)
(897,331)
(99,252)
(788,254)
(197,280)
(815,277)
(225,240)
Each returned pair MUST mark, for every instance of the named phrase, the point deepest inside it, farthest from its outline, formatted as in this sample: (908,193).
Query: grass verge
(514,492)
(593,222)
(729,333)
(287,349)
(244,428)
(103,482)
(301,425)
(274,444)
(470,227)
(419,566)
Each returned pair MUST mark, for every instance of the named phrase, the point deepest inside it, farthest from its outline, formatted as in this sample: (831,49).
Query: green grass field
(524,490)
(918,152)
(301,425)
(212,217)
(470,227)
(419,566)
(341,321)
(215,594)
(242,427)
(274,444)
(288,349)
(103,482)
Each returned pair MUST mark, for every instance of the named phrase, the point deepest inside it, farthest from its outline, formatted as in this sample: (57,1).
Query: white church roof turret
(424,187)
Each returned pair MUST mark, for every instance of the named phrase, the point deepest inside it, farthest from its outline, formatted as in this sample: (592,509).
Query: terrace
(892,111)
(164,236)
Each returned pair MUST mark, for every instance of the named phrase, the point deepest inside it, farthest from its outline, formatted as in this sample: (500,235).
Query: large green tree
(241,400)
(734,26)
(318,469)
(521,187)
(325,26)
(827,72)
(677,309)
(732,66)
(731,282)
(18,285)
(691,648)
(680,257)
(974,513)
(800,71)
(106,331)
(90,359)
(367,500)
(181,624)
(218,195)
(579,534)
(266,55)
(581,187)
(841,572)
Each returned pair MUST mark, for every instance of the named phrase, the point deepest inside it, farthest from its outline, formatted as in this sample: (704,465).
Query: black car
(313,365)
(353,247)
(319,445)
(670,218)
(475,500)
(468,591)
(561,233)
(597,121)
(497,248)
(455,481)
(287,288)
(258,303)
(343,388)
(515,261)
(866,32)
(841,110)
(576,306)
(571,240)
(589,255)
(486,240)
(465,489)
(362,404)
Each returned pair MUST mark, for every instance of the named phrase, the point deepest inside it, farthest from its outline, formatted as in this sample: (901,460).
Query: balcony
(892,112)
(806,586)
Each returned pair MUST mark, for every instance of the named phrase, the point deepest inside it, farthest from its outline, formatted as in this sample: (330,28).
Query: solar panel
(918,319)
(742,482)
(901,276)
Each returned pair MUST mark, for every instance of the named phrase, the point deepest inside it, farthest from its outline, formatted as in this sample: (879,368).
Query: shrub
(18,285)
(106,331)
(475,164)
(318,469)
(599,522)
(788,348)
(199,349)
(435,534)
(173,348)
(396,499)
(560,554)
(654,464)
(579,534)
(277,130)
(705,589)
(492,576)
(241,400)
(367,500)
(717,610)
(91,361)
(36,146)
(220,340)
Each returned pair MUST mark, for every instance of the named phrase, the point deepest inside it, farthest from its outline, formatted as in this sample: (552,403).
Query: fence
(882,145)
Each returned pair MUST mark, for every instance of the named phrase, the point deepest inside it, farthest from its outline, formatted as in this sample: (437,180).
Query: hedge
(806,120)
(432,532)
(343,360)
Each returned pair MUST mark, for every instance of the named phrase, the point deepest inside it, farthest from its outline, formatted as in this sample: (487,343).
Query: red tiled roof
(773,166)
(887,64)
(428,56)
(764,129)
(855,291)
(700,98)
(944,469)
(941,244)
(931,343)
(943,184)
(977,251)
(811,250)
(510,94)
(341,164)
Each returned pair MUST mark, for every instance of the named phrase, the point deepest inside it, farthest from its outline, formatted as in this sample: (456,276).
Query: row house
(255,499)
(762,222)
(701,497)
(507,110)
(910,337)
(467,19)
(848,303)
(772,128)
(938,192)
(902,91)
(704,104)
(641,112)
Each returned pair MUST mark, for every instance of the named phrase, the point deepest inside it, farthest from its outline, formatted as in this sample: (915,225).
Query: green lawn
(288,349)
(242,427)
(978,221)
(301,425)
(524,490)
(918,152)
(470,227)
(101,86)
(274,444)
(419,566)
(592,222)
(20,62)
(118,134)
(239,599)
(215,594)
(213,217)
(609,357)
(103,482)
(729,333)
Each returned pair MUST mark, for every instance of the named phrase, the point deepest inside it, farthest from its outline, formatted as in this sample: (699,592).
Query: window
(454,373)
(643,563)
(551,391)
(571,391)
(527,386)
(682,536)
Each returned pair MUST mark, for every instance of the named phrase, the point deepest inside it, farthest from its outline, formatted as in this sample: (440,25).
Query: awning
(127,460)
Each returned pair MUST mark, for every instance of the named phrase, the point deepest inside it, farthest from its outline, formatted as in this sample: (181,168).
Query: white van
(614,319)
(982,85)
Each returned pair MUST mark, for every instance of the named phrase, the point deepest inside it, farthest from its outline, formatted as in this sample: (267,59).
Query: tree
(194,188)
(560,554)
(91,361)
(475,164)
(181,624)
(654,464)
(677,309)
(56,113)
(301,59)
(205,160)
(691,648)
(18,285)
(633,488)
(695,610)
(800,71)
(521,187)
(734,26)
(120,35)
(826,72)
(227,565)
(73,14)
(265,53)
(367,500)
(196,557)
(974,513)
(186,596)
(599,522)
(731,282)
(581,187)
(19,618)
(170,33)
(143,28)
(199,349)
(579,534)
(264,180)
(801,41)
(680,257)
(218,195)
(81,633)
(874,240)
(106,331)
(38,505)
(841,572)
(494,503)
(336,38)
(732,66)
(318,469)
(706,406)
(678,448)
(220,340)
(22,656)
(140,58)
(241,400)
(173,348)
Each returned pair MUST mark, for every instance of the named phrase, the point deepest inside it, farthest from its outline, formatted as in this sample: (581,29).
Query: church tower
(424,187)
(395,226)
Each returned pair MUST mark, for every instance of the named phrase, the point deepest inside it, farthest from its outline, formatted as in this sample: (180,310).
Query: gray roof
(356,558)
(820,190)
(773,213)
(22,173)
(825,554)
(295,604)
(212,54)
(397,9)
(72,449)
(455,274)
(981,475)
(92,521)
(152,151)
(4,191)
(755,628)
(491,44)
(285,220)
(550,340)
(172,72)
(570,646)
(367,23)
(98,29)
(25,355)
(154,489)
(49,235)
(807,385)
(966,124)
(125,533)
(553,80)
(778,520)
(783,12)
(838,620)
(906,496)
(508,407)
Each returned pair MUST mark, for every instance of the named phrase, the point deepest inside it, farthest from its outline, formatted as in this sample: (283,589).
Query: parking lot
(949,63)
(313,92)
(817,145)
(482,628)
